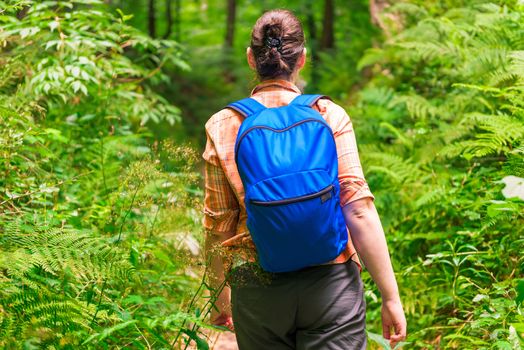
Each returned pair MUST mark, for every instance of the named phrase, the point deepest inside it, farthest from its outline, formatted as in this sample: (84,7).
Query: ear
(302,60)
(251,58)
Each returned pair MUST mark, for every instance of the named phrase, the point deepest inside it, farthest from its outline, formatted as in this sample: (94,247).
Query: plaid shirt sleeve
(221,209)
(353,185)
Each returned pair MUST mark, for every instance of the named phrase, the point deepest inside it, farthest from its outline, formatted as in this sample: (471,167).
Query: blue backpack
(287,160)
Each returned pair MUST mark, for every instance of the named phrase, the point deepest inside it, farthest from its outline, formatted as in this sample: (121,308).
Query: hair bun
(277,41)
(273,29)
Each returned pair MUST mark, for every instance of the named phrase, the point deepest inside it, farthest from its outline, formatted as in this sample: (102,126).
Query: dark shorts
(317,308)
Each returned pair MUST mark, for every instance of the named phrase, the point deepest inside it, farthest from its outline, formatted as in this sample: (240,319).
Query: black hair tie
(274,42)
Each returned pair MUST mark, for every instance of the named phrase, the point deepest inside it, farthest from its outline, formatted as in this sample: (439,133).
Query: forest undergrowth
(100,222)
(441,130)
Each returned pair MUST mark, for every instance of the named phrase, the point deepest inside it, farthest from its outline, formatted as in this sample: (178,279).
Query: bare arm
(368,237)
(215,272)
(220,221)
(363,222)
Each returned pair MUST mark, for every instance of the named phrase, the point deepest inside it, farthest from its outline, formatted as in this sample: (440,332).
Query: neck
(291,79)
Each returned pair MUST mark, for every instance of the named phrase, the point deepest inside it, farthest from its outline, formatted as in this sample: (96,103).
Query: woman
(322,306)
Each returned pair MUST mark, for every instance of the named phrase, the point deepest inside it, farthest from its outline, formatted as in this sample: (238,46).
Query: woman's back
(222,129)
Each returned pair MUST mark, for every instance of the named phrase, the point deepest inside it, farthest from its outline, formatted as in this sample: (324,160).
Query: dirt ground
(223,341)
(216,341)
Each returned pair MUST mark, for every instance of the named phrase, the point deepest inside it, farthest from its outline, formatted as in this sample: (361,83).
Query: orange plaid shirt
(224,208)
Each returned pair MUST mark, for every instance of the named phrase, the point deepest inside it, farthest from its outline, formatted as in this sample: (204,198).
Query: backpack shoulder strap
(247,106)
(307,100)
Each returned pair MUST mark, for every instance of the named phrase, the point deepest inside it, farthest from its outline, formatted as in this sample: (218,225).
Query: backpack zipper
(275,130)
(293,200)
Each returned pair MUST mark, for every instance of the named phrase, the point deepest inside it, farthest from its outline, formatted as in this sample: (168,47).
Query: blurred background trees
(102,105)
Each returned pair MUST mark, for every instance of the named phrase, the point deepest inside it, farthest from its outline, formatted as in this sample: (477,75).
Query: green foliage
(51,279)
(100,210)
(97,219)
(439,125)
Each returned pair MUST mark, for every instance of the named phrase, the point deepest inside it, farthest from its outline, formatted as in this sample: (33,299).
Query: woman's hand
(393,319)
(222,319)
(221,312)
(368,237)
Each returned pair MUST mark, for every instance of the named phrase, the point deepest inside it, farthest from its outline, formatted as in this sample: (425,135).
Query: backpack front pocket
(297,228)
(324,194)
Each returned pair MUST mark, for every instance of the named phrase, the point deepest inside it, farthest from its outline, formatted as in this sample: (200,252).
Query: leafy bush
(97,220)
(440,125)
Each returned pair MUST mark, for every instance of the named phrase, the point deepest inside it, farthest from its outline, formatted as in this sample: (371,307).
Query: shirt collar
(276,84)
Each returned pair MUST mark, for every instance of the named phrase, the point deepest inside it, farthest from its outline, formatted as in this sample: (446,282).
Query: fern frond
(38,261)
(517,63)
(430,197)
(501,78)
(395,167)
(371,56)
(498,133)
(430,50)
(409,9)
(54,250)
(515,165)
(380,96)
(417,106)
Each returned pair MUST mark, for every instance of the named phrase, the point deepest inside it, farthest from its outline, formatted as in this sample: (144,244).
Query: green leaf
(133,299)
(108,331)
(502,345)
(377,338)
(520,292)
(123,16)
(500,207)
(77,85)
(56,135)
(134,257)
(26,32)
(200,342)
(53,25)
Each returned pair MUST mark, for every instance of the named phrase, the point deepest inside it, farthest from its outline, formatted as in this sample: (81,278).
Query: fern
(502,78)
(380,96)
(414,10)
(372,56)
(517,64)
(417,106)
(430,197)
(43,270)
(456,81)
(515,162)
(78,93)
(498,134)
(430,50)
(397,168)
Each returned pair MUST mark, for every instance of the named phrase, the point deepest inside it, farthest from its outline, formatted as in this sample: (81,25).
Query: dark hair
(277,41)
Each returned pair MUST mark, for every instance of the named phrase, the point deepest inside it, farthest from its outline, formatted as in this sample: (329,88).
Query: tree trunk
(313,39)
(169,20)
(178,30)
(151,18)
(230,25)
(328,29)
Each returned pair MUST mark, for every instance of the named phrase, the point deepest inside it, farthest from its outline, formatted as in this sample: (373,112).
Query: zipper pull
(325,196)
